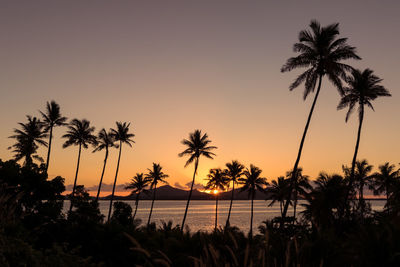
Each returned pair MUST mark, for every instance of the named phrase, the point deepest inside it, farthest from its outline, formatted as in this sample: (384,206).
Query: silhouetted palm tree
(79,133)
(234,170)
(197,145)
(28,140)
(301,186)
(138,185)
(326,201)
(52,118)
(321,53)
(252,182)
(155,176)
(105,141)
(384,180)
(121,135)
(278,190)
(362,177)
(217,180)
(363,88)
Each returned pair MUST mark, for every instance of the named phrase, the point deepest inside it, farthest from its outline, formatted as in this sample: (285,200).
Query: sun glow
(215,191)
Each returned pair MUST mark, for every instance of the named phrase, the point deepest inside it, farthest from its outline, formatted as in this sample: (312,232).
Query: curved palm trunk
(251,216)
(152,204)
(102,175)
(216,212)
(48,151)
(136,204)
(76,177)
(230,206)
(115,181)
(353,163)
(296,164)
(196,163)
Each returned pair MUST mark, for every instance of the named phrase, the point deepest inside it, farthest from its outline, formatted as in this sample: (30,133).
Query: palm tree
(251,183)
(155,176)
(326,202)
(121,135)
(234,170)
(217,180)
(52,118)
(79,133)
(321,53)
(363,88)
(278,191)
(361,178)
(384,180)
(301,186)
(105,141)
(138,185)
(28,140)
(197,145)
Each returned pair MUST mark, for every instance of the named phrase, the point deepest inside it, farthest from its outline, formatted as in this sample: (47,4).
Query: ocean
(201,214)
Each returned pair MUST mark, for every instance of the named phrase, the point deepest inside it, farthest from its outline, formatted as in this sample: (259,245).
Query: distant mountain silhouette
(168,192)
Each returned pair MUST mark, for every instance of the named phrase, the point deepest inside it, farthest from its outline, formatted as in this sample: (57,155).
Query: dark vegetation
(336,228)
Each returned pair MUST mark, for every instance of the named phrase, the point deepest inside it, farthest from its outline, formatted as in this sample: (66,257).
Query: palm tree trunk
(296,164)
(115,181)
(48,151)
(196,163)
(136,204)
(387,193)
(102,174)
(152,203)
(230,206)
(251,215)
(294,206)
(216,212)
(353,163)
(76,177)
(361,199)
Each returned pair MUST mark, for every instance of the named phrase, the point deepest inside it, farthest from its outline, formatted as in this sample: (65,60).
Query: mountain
(168,192)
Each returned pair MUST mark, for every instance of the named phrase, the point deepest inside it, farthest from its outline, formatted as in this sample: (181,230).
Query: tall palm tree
(301,186)
(252,181)
(28,140)
(362,177)
(278,190)
(121,135)
(197,146)
(79,133)
(105,141)
(217,180)
(155,176)
(363,88)
(384,180)
(234,170)
(138,185)
(52,118)
(321,53)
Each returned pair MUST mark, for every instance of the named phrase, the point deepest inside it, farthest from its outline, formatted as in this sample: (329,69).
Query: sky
(170,67)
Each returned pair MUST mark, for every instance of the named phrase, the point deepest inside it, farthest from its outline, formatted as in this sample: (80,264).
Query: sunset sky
(170,67)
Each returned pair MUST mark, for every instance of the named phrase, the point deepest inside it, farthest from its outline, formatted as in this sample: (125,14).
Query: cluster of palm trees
(79,133)
(322,53)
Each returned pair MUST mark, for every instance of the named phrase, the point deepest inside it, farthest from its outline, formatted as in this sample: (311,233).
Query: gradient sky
(169,67)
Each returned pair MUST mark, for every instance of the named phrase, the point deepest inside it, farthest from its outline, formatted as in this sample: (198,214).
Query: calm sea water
(201,214)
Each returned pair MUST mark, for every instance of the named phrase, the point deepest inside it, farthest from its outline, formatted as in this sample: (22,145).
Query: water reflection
(201,212)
